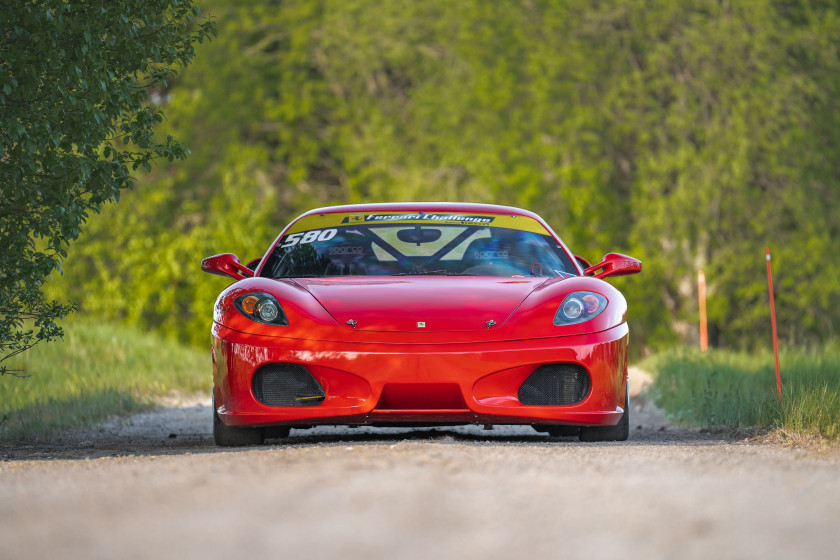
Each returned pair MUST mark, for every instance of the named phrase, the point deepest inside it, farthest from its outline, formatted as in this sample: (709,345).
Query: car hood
(426,303)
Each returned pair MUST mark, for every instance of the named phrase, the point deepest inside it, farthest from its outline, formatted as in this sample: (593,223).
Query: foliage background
(688,134)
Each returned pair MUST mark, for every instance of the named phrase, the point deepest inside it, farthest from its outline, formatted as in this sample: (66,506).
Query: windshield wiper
(431,272)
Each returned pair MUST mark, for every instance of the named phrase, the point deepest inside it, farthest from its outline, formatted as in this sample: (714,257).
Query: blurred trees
(74,124)
(688,134)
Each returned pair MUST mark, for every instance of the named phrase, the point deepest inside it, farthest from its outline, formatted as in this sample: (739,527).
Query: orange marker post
(701,290)
(773,322)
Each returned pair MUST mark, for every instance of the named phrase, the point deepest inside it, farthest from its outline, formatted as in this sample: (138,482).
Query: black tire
(228,436)
(619,432)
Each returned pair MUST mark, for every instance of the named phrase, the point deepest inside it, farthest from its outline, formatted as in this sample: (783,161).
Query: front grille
(286,385)
(555,384)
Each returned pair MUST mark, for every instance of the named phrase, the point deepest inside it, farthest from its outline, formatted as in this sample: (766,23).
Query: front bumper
(475,382)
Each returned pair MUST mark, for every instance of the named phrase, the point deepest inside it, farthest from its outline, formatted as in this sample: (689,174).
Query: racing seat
(350,256)
(493,256)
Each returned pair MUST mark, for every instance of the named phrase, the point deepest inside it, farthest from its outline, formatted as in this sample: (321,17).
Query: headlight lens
(578,307)
(262,308)
(268,311)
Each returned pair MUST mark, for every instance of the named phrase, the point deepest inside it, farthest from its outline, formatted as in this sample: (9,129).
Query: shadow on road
(129,439)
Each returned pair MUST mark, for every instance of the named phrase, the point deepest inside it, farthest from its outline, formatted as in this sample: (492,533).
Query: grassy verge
(96,372)
(730,390)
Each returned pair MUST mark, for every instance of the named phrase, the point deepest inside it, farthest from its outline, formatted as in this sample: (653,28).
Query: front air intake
(555,384)
(286,385)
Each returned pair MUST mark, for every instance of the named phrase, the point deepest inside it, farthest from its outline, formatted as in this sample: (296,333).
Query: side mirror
(226,264)
(583,263)
(614,264)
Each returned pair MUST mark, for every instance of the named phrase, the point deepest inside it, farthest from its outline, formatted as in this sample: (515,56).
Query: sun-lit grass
(99,370)
(731,390)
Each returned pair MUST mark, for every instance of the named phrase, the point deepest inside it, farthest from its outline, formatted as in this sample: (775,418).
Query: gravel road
(155,486)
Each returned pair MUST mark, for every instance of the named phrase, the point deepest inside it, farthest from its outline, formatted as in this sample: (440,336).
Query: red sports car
(419,314)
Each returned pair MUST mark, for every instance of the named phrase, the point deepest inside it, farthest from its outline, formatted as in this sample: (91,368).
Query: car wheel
(228,436)
(619,432)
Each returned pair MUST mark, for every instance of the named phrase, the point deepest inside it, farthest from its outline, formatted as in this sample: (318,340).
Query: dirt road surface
(155,486)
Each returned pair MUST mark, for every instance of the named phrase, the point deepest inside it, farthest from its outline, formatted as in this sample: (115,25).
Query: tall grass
(722,389)
(99,370)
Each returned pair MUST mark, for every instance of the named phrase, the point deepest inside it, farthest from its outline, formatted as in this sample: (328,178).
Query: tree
(75,78)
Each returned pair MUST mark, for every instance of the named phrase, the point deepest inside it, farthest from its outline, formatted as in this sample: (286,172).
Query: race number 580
(305,237)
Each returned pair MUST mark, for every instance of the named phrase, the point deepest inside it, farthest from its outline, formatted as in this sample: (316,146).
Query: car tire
(619,432)
(228,436)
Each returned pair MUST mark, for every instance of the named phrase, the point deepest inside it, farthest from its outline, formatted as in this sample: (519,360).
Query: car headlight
(578,307)
(262,308)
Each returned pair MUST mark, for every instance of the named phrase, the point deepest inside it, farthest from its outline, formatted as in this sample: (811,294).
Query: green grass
(730,390)
(98,371)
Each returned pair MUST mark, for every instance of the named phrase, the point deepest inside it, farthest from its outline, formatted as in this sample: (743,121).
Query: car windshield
(468,246)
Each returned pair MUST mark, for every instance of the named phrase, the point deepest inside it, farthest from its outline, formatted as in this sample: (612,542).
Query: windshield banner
(319,221)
